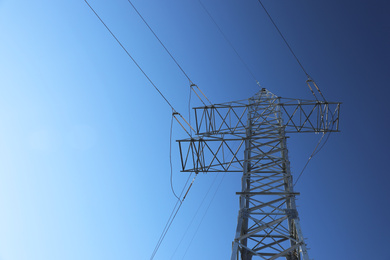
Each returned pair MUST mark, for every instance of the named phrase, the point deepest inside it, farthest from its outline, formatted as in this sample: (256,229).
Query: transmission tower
(249,136)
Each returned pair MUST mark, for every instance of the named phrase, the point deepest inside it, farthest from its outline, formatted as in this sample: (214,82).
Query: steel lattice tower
(250,137)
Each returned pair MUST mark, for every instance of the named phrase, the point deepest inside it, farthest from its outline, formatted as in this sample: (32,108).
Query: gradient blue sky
(84,138)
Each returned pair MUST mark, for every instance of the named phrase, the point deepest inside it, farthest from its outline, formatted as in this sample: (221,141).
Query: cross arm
(299,116)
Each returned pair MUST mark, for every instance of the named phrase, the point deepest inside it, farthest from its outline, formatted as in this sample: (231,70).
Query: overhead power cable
(155,35)
(316,150)
(204,214)
(173,215)
(143,72)
(194,216)
(311,156)
(230,43)
(179,201)
(170,157)
(322,146)
(169,53)
(189,108)
(128,54)
(284,39)
(309,79)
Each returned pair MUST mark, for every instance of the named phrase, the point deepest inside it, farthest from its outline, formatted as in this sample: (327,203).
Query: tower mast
(268,224)
(250,137)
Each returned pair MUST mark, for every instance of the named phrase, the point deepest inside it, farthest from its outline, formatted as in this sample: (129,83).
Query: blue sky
(84,138)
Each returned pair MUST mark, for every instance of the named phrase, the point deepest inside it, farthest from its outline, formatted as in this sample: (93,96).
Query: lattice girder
(250,137)
(300,116)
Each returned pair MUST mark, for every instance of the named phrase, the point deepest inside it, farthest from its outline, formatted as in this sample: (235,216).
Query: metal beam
(250,137)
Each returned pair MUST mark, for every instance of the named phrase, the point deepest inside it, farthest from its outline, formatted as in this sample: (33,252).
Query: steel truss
(250,137)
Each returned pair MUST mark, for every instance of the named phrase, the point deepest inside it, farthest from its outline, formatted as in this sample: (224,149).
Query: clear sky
(84,137)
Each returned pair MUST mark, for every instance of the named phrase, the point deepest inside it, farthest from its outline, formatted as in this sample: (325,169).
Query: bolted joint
(244,213)
(291,213)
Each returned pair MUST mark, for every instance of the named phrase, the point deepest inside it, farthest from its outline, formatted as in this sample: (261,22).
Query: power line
(128,54)
(169,53)
(189,108)
(284,39)
(155,35)
(143,72)
(179,202)
(166,228)
(170,156)
(173,215)
(196,213)
(204,214)
(311,156)
(322,146)
(309,79)
(230,43)
(315,151)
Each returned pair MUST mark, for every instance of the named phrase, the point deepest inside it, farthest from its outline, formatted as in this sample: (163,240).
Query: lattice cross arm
(299,116)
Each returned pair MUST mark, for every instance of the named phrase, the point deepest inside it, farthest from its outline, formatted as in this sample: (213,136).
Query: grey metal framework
(250,137)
